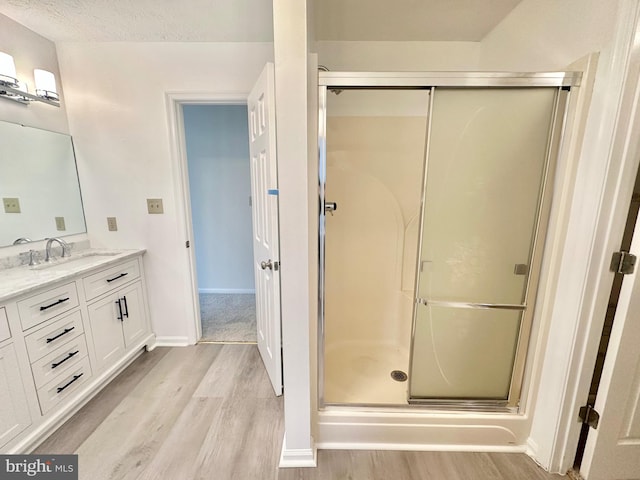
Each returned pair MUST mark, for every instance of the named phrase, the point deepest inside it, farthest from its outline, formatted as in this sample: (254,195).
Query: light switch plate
(60,226)
(154,205)
(112,224)
(11,205)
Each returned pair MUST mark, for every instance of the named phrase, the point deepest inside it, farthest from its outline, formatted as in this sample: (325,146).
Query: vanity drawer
(65,357)
(52,336)
(110,279)
(46,305)
(4,325)
(64,386)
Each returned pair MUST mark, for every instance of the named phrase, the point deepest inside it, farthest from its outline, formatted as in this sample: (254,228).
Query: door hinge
(187,244)
(589,416)
(623,262)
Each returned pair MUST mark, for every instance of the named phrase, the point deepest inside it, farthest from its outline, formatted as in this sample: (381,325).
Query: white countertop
(20,280)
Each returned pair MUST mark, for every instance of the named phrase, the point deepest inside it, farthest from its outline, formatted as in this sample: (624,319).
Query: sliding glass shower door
(435,193)
(487,161)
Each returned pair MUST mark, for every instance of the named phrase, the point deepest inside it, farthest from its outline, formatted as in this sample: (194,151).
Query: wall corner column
(290,54)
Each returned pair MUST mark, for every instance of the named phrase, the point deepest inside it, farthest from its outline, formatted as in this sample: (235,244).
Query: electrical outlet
(11,205)
(60,226)
(154,205)
(112,224)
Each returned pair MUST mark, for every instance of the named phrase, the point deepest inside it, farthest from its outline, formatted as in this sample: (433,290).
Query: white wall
(293,109)
(548,35)
(217,142)
(398,56)
(29,51)
(115,94)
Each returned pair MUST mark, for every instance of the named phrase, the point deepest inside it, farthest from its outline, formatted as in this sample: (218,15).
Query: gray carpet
(228,317)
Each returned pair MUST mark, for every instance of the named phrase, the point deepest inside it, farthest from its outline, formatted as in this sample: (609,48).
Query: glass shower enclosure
(435,190)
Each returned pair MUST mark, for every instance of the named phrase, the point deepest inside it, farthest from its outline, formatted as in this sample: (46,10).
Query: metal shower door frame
(563,81)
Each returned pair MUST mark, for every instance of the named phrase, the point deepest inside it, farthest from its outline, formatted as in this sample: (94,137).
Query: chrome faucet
(22,240)
(33,255)
(63,244)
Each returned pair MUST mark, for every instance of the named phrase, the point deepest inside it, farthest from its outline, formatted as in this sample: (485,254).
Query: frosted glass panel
(485,166)
(463,353)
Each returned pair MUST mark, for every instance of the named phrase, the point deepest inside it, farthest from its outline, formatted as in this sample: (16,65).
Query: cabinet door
(134,324)
(106,331)
(14,413)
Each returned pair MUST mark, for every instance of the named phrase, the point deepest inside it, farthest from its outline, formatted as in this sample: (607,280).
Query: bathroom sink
(75,261)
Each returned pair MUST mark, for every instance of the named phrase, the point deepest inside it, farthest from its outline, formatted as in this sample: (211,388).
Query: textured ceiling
(145,20)
(251,20)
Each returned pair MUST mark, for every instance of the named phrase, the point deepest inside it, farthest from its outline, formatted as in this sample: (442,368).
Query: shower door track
(329,80)
(421,80)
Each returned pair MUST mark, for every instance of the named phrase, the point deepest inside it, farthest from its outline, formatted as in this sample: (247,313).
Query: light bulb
(45,84)
(7,70)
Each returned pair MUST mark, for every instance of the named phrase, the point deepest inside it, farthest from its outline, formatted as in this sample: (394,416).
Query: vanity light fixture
(13,89)
(7,71)
(46,85)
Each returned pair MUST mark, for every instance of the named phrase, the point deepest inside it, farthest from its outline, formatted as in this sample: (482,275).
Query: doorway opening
(219,179)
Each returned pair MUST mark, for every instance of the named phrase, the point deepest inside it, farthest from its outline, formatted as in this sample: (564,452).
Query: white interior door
(266,248)
(612,451)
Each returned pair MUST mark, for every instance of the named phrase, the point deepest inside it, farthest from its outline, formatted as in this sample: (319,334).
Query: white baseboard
(532,448)
(238,291)
(298,457)
(172,342)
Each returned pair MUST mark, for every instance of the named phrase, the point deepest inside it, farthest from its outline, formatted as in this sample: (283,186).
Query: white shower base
(360,373)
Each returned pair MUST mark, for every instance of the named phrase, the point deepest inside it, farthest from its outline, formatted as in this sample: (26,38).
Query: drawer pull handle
(71,355)
(64,332)
(75,377)
(117,277)
(62,300)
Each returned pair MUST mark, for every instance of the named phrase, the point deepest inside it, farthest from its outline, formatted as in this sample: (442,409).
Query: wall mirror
(39,185)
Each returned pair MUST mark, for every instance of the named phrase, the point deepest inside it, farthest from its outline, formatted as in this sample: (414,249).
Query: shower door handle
(330,207)
(472,305)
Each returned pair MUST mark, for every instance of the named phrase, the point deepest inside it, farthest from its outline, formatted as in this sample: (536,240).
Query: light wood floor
(208,412)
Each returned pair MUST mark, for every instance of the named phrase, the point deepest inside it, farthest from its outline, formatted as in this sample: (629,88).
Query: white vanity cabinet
(118,319)
(14,412)
(62,342)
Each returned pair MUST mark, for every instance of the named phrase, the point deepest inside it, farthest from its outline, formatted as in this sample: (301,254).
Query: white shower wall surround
(440,208)
(374,173)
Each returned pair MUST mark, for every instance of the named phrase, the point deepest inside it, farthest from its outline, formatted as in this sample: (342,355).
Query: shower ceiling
(409,20)
(251,20)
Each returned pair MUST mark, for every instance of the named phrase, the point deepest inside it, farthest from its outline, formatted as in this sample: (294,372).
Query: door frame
(610,154)
(174,102)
